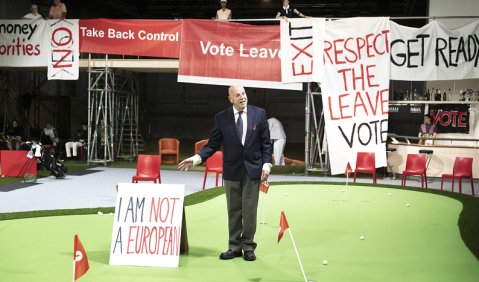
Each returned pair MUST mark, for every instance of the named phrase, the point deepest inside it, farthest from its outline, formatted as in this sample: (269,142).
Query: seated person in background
(223,13)
(14,136)
(288,11)
(77,141)
(427,129)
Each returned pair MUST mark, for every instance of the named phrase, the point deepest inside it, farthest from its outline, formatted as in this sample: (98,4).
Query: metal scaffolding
(315,156)
(112,114)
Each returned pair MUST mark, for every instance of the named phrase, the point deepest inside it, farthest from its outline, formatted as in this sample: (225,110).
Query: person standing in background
(58,10)
(278,138)
(33,15)
(427,130)
(288,11)
(223,13)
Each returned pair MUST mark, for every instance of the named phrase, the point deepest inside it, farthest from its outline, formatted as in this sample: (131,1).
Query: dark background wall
(186,111)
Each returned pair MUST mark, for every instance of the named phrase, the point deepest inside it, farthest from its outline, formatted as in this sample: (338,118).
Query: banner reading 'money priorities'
(355,87)
(225,53)
(23,43)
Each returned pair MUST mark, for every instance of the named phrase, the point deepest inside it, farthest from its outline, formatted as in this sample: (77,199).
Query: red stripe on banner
(153,38)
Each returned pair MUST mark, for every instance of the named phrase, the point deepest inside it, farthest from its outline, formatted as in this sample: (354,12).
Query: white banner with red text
(355,87)
(147,225)
(301,49)
(226,53)
(23,43)
(63,49)
(153,38)
(434,52)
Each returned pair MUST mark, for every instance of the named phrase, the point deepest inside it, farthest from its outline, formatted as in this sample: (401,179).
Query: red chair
(462,169)
(199,145)
(366,163)
(169,147)
(214,164)
(415,165)
(148,169)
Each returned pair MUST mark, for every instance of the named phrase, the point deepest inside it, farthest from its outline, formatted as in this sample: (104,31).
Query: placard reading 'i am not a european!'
(147,225)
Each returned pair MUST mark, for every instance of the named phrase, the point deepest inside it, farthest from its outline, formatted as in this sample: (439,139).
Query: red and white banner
(434,52)
(302,49)
(355,87)
(226,53)
(23,43)
(147,224)
(64,53)
(153,38)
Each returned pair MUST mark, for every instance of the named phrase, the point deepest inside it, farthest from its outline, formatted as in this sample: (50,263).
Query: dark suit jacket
(239,159)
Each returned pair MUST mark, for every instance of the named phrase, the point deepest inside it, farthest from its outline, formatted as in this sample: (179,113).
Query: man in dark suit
(243,131)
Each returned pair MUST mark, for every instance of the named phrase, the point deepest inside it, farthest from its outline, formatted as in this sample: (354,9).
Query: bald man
(243,131)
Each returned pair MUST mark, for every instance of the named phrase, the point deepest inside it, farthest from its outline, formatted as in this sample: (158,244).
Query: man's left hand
(264,176)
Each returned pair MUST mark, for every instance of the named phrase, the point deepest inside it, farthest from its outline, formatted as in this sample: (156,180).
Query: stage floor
(415,242)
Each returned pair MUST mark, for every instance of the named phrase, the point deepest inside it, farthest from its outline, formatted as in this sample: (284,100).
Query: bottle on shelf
(438,95)
(444,95)
(449,95)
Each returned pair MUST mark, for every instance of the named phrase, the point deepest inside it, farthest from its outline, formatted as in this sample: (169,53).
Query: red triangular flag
(264,187)
(283,225)
(348,170)
(80,258)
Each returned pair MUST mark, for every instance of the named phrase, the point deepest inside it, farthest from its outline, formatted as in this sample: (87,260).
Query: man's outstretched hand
(185,164)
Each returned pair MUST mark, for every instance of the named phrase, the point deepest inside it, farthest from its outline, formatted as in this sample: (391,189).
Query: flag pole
(297,255)
(262,208)
(346,189)
(73,270)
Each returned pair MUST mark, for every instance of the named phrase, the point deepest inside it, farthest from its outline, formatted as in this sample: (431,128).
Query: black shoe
(249,255)
(230,254)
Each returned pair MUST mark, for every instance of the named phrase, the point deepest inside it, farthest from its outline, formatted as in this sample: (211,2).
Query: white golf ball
(100,213)
(344,190)
(361,237)
(325,262)
(389,194)
(286,194)
(408,205)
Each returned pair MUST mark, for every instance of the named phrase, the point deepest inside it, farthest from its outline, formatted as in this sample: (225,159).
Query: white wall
(440,8)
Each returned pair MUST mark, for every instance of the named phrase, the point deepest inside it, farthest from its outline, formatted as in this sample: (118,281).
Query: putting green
(419,242)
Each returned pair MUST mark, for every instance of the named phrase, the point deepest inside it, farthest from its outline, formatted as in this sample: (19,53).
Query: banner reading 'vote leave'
(226,53)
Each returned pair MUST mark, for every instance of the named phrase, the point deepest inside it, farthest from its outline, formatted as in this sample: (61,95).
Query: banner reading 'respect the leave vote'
(153,38)
(434,52)
(225,53)
(355,87)
(301,49)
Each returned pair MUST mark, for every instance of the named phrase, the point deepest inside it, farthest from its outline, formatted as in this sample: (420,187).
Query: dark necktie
(239,126)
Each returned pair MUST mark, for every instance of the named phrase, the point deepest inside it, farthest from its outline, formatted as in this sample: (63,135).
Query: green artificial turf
(419,242)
